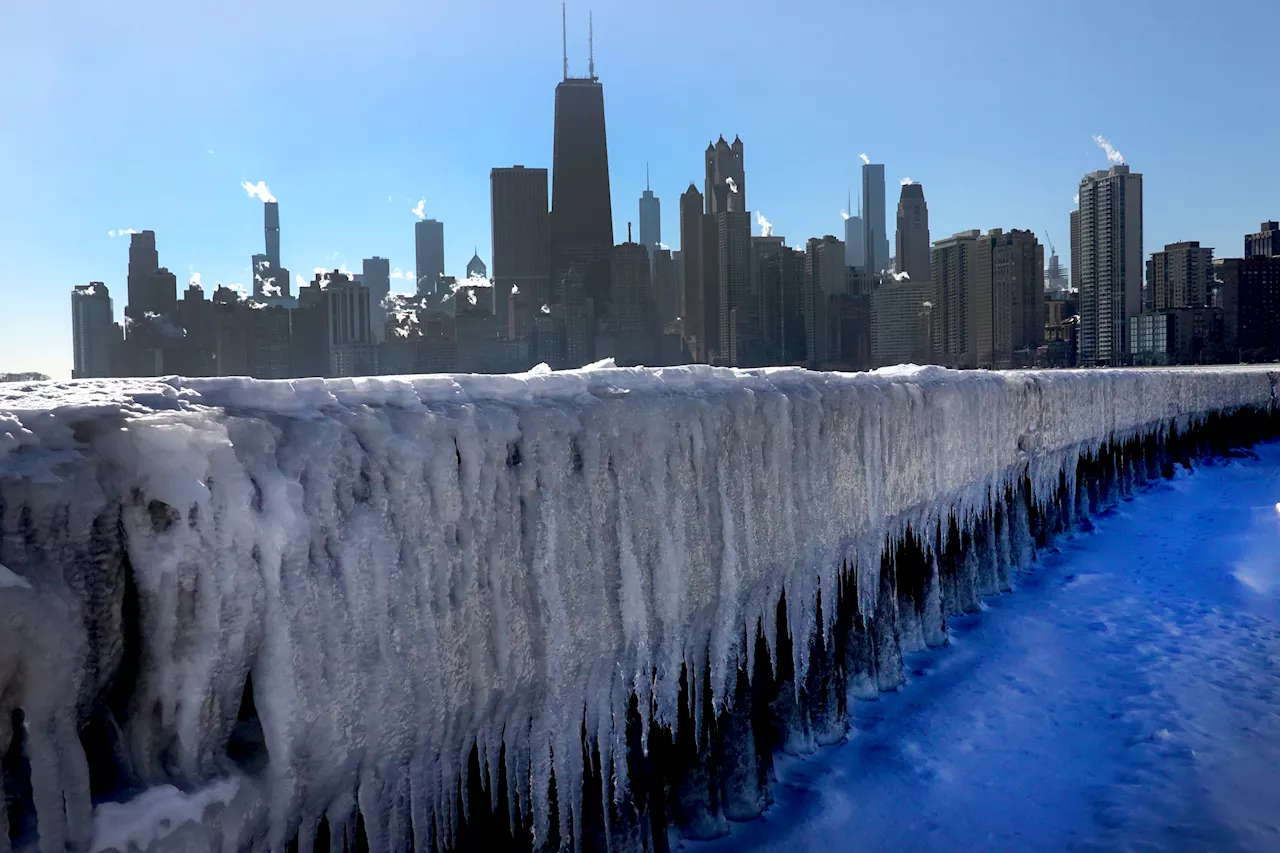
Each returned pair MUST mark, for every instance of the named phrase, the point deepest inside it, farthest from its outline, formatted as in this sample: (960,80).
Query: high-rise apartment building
(666,286)
(875,237)
(733,268)
(521,245)
(692,307)
(855,254)
(581,211)
(953,270)
(1111,262)
(1265,243)
(901,323)
(780,277)
(635,312)
(912,236)
(93,331)
(1179,277)
(1075,250)
(428,243)
(143,261)
(1008,298)
(376,275)
(824,277)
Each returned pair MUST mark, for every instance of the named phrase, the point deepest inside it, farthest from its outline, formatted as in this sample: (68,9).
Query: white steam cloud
(406,275)
(865,159)
(906,182)
(1076,198)
(733,187)
(1112,154)
(258,190)
(121,232)
(901,276)
(766,227)
(844,214)
(420,210)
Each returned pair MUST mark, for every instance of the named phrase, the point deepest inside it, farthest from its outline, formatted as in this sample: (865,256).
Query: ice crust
(409,567)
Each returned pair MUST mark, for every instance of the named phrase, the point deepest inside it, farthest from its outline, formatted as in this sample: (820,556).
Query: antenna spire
(591,47)
(646,177)
(564,38)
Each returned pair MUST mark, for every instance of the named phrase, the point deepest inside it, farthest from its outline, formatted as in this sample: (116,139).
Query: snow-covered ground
(1125,697)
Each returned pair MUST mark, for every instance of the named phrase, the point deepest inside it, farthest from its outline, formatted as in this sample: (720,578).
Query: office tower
(650,217)
(875,238)
(476,267)
(1111,262)
(692,308)
(953,272)
(666,287)
(901,323)
(162,295)
(267,341)
(1075,251)
(1007,301)
(259,271)
(93,331)
(428,239)
(271,222)
(726,180)
(143,261)
(1055,277)
(1248,291)
(1266,243)
(733,269)
(1179,277)
(855,254)
(521,247)
(581,210)
(912,237)
(780,289)
(824,277)
(376,275)
(348,315)
(635,312)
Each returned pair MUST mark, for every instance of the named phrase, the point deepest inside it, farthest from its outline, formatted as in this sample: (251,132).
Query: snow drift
(552,610)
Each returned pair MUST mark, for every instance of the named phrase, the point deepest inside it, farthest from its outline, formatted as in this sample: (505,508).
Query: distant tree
(23,377)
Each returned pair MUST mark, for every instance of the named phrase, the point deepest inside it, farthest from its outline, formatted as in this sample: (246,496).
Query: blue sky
(109,112)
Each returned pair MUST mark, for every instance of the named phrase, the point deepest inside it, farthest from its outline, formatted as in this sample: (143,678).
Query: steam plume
(865,159)
(733,187)
(906,182)
(1112,154)
(420,211)
(258,190)
(766,227)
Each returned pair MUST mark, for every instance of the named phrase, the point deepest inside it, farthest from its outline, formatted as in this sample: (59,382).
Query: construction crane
(1049,241)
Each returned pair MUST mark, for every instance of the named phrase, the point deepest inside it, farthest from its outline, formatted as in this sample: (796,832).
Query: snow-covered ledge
(562,607)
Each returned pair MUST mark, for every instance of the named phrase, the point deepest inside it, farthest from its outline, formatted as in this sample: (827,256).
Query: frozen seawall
(569,610)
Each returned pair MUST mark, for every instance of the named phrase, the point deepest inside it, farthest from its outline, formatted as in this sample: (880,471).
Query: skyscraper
(953,272)
(1008,297)
(143,261)
(855,254)
(428,238)
(1265,243)
(476,267)
(521,245)
(726,181)
(1111,262)
(692,308)
(824,277)
(376,275)
(875,237)
(650,218)
(1179,277)
(271,222)
(581,210)
(92,331)
(912,239)
(1075,251)
(635,312)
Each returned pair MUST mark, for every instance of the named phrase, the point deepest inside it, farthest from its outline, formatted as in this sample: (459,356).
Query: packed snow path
(1126,698)
(551,610)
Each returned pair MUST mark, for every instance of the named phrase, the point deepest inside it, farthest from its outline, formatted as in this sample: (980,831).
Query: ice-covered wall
(322,599)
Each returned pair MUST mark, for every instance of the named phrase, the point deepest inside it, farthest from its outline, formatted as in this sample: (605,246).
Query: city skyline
(343,203)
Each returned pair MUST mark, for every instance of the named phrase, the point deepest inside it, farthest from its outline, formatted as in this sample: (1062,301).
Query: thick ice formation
(330,592)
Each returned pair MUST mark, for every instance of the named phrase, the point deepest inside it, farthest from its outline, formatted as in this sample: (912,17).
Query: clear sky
(149,114)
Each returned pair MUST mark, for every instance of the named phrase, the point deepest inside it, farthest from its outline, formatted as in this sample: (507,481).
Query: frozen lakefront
(1126,697)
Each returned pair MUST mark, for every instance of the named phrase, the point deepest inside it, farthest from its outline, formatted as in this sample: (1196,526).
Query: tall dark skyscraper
(143,262)
(521,246)
(875,238)
(271,223)
(726,182)
(428,240)
(581,209)
(650,218)
(913,233)
(692,307)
